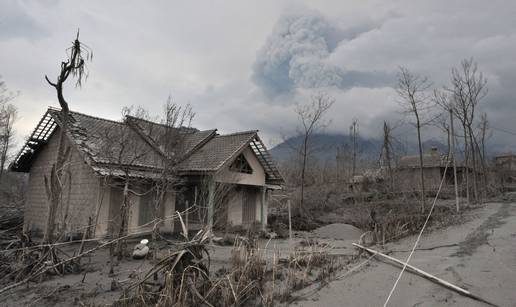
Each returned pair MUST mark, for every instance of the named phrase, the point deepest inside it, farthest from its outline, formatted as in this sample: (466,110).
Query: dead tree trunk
(466,162)
(452,152)
(387,154)
(124,220)
(75,66)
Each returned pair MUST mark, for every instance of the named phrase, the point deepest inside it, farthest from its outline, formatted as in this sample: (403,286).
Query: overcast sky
(244,64)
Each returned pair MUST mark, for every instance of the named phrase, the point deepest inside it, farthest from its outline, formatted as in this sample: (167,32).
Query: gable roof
(154,133)
(100,141)
(217,151)
(103,140)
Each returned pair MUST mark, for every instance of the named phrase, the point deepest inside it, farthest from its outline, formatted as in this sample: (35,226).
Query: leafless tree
(413,91)
(484,134)
(311,116)
(445,122)
(121,149)
(164,149)
(78,54)
(468,88)
(8,114)
(221,194)
(387,153)
(174,128)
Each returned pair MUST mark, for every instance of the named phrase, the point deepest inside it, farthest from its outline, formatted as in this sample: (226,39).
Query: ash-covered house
(407,172)
(227,178)
(505,170)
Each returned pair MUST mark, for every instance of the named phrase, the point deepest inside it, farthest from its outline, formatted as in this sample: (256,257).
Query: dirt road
(479,255)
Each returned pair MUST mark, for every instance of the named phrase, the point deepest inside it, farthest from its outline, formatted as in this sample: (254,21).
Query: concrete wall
(80,197)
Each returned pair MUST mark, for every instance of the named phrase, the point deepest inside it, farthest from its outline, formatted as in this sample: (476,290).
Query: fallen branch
(45,269)
(426,275)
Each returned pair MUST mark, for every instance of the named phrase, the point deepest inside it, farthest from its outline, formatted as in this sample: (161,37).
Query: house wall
(235,208)
(79,198)
(236,200)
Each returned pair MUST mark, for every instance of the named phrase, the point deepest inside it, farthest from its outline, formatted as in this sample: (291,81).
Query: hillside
(325,147)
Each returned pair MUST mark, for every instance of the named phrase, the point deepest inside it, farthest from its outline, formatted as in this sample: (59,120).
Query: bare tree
(311,118)
(121,149)
(468,88)
(8,114)
(174,128)
(78,54)
(443,100)
(386,155)
(412,89)
(484,134)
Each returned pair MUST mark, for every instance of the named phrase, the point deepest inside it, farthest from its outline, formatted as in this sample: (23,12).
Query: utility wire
(503,130)
(418,237)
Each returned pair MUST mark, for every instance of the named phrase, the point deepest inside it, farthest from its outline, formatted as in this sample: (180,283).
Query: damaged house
(219,180)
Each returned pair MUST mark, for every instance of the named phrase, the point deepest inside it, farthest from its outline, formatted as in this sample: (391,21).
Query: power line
(503,130)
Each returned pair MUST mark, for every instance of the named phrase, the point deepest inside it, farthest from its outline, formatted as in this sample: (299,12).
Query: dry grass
(255,277)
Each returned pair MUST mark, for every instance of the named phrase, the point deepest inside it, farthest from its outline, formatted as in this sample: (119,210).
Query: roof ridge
(50,108)
(238,133)
(163,125)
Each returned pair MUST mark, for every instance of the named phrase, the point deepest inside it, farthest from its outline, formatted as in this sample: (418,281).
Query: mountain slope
(324,147)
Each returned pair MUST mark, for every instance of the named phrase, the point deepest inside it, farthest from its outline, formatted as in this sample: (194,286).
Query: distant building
(507,162)
(505,168)
(407,173)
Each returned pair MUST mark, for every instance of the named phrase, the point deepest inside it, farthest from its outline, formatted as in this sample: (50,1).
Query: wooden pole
(289,226)
(426,275)
(452,152)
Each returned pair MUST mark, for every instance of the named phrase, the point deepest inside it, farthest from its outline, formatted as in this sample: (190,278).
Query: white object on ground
(141,250)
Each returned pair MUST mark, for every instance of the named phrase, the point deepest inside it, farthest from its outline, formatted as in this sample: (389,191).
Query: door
(249,205)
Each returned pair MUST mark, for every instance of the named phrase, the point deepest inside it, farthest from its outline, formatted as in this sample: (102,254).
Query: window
(241,165)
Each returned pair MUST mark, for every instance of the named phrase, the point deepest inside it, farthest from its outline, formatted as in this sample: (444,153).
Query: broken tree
(75,66)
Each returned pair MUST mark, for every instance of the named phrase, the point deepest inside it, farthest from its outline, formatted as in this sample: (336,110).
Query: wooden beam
(426,275)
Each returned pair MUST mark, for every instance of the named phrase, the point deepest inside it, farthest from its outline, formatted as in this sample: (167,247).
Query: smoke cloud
(296,55)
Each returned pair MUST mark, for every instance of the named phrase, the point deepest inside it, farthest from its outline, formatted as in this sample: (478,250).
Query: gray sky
(243,65)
